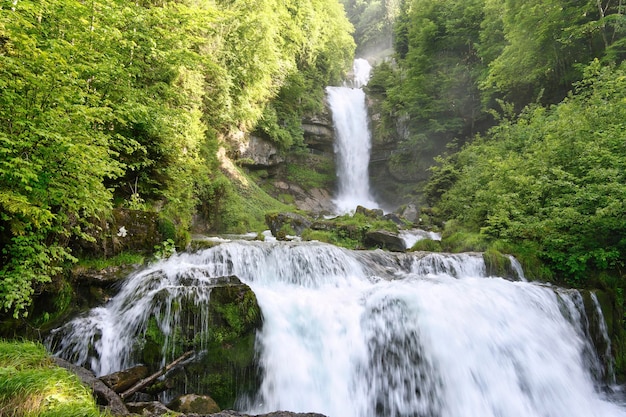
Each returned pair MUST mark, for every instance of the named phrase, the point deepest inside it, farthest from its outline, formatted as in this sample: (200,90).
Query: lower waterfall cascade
(372,333)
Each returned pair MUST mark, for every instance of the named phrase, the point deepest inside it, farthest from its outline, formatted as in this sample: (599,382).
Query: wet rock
(192,403)
(318,130)
(281,223)
(149,408)
(385,240)
(122,380)
(224,365)
(394,218)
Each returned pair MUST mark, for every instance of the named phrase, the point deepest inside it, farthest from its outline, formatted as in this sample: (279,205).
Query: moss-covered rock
(222,334)
(193,403)
(286,223)
(499,265)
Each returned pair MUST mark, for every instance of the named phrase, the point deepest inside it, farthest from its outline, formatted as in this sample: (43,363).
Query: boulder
(392,217)
(192,403)
(225,364)
(385,240)
(278,222)
(372,213)
(409,212)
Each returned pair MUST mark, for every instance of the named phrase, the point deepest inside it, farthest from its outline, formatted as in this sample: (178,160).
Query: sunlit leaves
(556,177)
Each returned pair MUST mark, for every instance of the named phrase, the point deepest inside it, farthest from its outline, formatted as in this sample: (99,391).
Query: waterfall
(353,141)
(372,333)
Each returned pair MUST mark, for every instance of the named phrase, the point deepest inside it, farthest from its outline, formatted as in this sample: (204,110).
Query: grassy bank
(31,385)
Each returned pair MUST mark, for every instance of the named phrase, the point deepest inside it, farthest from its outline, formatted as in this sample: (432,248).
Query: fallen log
(105,394)
(150,379)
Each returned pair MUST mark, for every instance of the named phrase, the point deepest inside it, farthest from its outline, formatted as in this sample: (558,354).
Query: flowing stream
(375,334)
(353,141)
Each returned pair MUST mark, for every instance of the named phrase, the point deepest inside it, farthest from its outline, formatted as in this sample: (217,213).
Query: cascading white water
(353,141)
(373,334)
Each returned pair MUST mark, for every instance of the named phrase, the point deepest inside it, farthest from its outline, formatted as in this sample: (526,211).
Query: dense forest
(125,104)
(507,120)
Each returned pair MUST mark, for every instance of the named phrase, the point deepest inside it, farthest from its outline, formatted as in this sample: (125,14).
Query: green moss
(286,198)
(122,259)
(347,231)
(238,207)
(317,174)
(527,254)
(497,264)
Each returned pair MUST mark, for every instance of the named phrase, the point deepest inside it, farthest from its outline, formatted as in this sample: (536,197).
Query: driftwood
(113,401)
(149,380)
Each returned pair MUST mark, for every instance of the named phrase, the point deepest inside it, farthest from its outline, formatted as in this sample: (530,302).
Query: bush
(426,245)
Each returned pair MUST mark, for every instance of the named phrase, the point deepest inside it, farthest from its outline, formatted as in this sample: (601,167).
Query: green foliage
(554,177)
(121,259)
(31,386)
(165,249)
(113,101)
(458,62)
(320,175)
(373,22)
(427,245)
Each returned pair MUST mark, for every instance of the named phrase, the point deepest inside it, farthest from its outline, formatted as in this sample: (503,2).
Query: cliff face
(306,178)
(396,177)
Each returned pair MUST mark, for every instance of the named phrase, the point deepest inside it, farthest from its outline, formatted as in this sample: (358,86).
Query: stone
(148,408)
(225,365)
(410,212)
(259,152)
(277,221)
(122,380)
(372,213)
(394,218)
(385,240)
(319,132)
(193,403)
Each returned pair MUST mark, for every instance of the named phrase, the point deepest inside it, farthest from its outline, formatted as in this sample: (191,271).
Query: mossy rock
(224,366)
(281,224)
(499,265)
(192,403)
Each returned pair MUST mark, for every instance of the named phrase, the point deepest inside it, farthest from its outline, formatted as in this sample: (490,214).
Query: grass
(319,174)
(31,386)
(124,258)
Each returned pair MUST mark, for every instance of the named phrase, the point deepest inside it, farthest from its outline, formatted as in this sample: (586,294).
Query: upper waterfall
(372,333)
(353,140)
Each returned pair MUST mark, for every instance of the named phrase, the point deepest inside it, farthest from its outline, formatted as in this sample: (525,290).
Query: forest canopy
(117,103)
(525,101)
